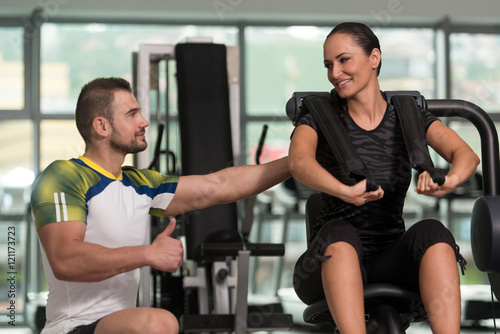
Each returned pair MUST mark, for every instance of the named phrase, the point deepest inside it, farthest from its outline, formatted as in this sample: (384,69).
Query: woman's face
(350,69)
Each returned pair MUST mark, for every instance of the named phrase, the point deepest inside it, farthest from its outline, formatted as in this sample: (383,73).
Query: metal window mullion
(243,109)
(32,57)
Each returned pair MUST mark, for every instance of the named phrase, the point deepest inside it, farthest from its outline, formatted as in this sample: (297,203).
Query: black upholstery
(313,207)
(205,129)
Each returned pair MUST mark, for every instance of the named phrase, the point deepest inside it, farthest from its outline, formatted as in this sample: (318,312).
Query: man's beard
(134,146)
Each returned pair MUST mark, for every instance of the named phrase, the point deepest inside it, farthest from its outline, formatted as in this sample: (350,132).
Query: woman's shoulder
(308,120)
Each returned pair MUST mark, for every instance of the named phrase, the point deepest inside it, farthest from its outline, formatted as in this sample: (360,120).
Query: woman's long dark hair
(365,39)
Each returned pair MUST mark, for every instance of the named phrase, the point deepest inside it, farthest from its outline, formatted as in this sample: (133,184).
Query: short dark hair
(362,35)
(96,100)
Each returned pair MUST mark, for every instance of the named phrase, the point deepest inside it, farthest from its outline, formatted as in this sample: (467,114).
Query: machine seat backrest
(313,207)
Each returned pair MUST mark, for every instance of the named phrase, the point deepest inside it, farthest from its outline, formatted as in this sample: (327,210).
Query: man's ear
(101,126)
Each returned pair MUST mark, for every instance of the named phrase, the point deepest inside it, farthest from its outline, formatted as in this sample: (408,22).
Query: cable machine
(216,241)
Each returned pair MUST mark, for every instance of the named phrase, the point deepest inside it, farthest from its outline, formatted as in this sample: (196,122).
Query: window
(408,60)
(73,54)
(16,176)
(53,148)
(280,61)
(11,68)
(475,69)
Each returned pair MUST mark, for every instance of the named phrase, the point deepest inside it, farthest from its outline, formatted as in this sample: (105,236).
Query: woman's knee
(430,231)
(441,249)
(307,271)
(338,231)
(427,224)
(340,249)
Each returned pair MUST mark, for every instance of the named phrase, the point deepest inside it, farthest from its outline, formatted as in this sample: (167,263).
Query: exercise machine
(215,276)
(390,308)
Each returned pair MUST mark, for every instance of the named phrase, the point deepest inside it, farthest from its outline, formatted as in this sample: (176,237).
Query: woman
(360,236)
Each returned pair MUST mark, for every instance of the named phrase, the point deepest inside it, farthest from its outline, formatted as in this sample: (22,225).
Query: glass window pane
(73,54)
(280,61)
(16,155)
(11,68)
(60,140)
(408,60)
(16,176)
(475,69)
(52,147)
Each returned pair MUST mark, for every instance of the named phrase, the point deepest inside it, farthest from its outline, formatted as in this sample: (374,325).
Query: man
(91,216)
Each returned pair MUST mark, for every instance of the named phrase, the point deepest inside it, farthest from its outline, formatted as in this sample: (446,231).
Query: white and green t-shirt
(116,213)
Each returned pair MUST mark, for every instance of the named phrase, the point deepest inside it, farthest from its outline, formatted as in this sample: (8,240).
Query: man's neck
(111,162)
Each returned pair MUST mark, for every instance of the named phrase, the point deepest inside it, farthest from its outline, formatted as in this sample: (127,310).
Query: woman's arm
(305,168)
(448,144)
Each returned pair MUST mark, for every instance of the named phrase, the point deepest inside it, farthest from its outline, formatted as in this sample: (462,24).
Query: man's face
(128,126)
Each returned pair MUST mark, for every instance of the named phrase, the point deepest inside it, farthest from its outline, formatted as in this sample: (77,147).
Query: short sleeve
(428,118)
(58,195)
(161,188)
(308,120)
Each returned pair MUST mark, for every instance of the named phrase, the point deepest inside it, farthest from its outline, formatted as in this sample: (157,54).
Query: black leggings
(398,264)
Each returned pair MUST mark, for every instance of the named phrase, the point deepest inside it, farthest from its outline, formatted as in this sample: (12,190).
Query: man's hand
(166,253)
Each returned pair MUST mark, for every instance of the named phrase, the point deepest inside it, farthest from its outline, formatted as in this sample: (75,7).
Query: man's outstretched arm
(227,185)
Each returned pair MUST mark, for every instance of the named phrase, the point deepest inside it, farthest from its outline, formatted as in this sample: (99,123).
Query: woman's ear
(375,58)
(101,126)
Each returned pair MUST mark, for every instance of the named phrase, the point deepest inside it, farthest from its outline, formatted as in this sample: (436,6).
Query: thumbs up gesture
(166,253)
